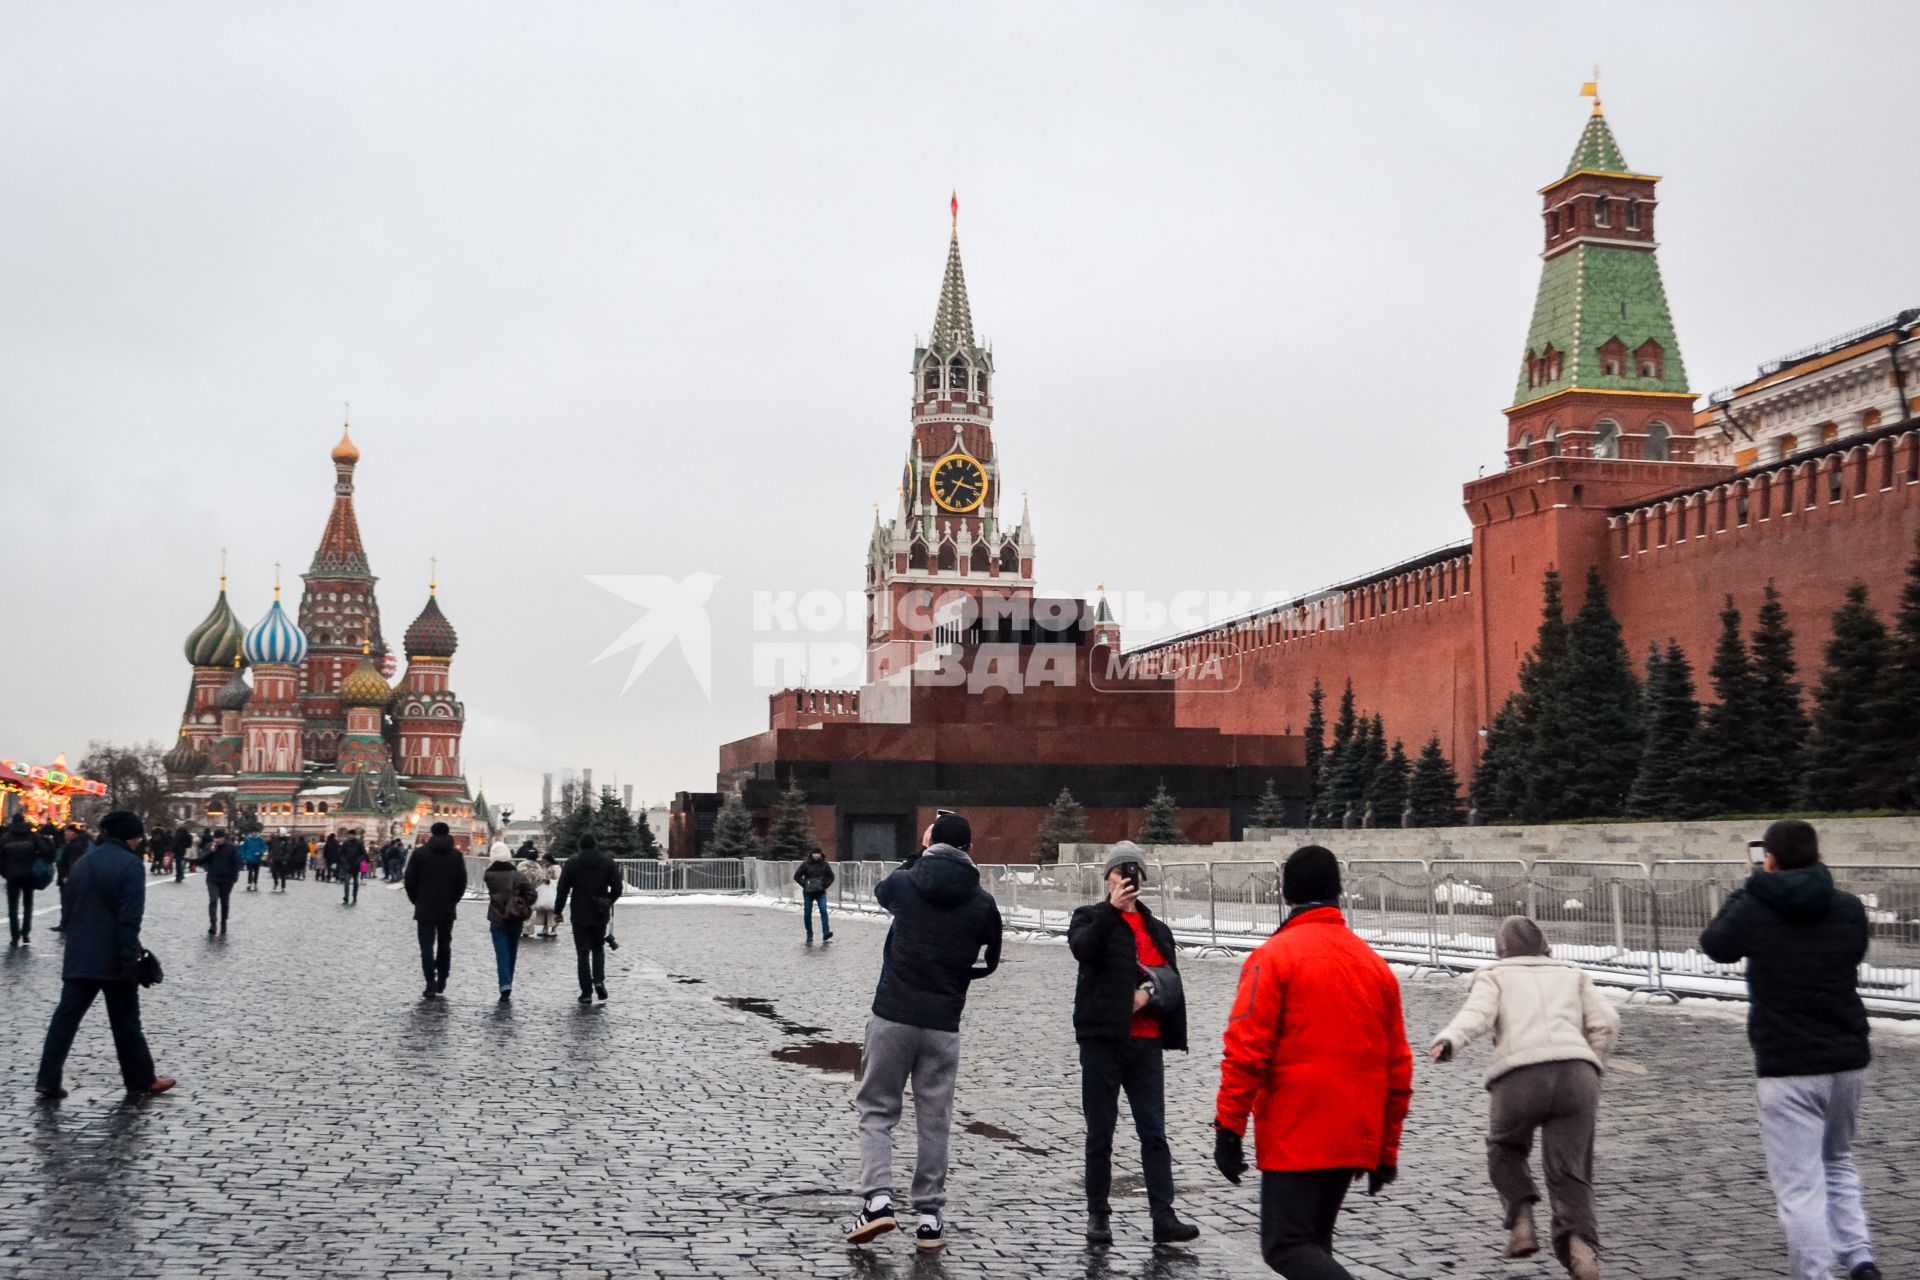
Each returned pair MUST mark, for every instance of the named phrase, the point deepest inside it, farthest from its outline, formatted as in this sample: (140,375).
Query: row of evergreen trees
(1066,823)
(1357,780)
(1582,737)
(617,833)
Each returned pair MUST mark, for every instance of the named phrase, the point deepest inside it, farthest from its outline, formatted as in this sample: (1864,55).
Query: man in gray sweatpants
(942,921)
(1803,941)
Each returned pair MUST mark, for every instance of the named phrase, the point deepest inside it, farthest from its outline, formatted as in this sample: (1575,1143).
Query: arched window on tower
(1010,559)
(1552,449)
(1659,442)
(917,556)
(1650,357)
(930,379)
(1523,447)
(978,561)
(1606,439)
(1552,361)
(949,557)
(1600,211)
(1633,213)
(957,376)
(980,383)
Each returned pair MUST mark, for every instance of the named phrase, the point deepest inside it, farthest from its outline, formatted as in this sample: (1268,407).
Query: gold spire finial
(223,571)
(1591,89)
(433,575)
(276,580)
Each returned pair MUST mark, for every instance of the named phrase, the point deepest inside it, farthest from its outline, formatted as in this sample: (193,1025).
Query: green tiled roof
(1597,149)
(1589,294)
(953,316)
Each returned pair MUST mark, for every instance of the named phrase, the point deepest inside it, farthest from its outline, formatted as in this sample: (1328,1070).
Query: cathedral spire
(953,317)
(340,551)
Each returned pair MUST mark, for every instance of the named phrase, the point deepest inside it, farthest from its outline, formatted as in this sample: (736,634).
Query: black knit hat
(440,829)
(952,829)
(123,825)
(1311,874)
(587,843)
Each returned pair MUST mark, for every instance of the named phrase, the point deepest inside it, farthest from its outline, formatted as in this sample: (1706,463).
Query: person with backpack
(22,854)
(593,881)
(814,875)
(509,902)
(1128,1009)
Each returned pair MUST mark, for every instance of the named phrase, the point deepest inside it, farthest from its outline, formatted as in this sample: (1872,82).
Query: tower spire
(952,315)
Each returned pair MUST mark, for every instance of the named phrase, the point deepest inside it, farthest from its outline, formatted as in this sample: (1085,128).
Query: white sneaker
(876,1219)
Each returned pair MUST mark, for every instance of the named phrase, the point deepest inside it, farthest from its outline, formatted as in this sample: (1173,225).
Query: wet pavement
(329,1123)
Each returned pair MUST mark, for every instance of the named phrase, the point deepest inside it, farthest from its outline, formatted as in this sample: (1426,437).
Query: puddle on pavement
(823,1055)
(760,1008)
(982,1129)
(685,981)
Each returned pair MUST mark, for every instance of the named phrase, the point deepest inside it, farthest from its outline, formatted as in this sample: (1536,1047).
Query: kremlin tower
(319,740)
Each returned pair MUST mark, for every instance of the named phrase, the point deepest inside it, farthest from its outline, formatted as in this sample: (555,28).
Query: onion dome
(346,450)
(365,686)
(276,639)
(216,641)
(431,635)
(234,693)
(183,761)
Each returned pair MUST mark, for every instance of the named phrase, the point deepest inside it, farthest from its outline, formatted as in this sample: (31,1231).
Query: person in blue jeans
(510,898)
(814,875)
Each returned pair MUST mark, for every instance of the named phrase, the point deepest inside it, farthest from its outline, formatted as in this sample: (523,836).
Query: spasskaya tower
(948,536)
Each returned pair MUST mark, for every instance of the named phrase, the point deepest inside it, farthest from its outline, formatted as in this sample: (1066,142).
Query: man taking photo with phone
(1803,941)
(1128,1009)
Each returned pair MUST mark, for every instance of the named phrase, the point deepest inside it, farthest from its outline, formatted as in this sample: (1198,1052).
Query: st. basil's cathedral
(319,741)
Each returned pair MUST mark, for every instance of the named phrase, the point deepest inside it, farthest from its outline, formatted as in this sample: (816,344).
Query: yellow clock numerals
(958,482)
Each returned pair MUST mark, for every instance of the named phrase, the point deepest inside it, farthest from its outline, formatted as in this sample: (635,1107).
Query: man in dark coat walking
(20,848)
(73,844)
(221,861)
(436,880)
(1119,943)
(1803,941)
(352,854)
(108,895)
(592,880)
(945,937)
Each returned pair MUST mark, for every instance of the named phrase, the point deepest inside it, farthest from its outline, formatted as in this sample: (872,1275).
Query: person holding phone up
(1128,1009)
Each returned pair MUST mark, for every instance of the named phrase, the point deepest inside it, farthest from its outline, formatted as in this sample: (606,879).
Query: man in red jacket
(1316,1052)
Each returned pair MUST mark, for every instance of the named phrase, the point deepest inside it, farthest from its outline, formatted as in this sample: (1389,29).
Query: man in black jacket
(942,920)
(108,891)
(1803,941)
(436,880)
(221,861)
(1119,943)
(73,843)
(814,875)
(592,880)
(352,853)
(20,848)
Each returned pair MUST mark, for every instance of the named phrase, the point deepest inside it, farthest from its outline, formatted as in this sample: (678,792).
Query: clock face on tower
(959,483)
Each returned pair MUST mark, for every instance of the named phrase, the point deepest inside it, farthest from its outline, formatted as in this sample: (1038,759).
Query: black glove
(1229,1155)
(1378,1178)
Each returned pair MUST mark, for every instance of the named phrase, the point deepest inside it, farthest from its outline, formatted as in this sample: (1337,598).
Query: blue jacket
(253,849)
(106,899)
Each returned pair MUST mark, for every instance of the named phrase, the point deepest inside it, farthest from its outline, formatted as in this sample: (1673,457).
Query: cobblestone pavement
(329,1123)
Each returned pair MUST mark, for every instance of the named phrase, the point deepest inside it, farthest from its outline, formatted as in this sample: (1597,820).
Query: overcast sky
(632,290)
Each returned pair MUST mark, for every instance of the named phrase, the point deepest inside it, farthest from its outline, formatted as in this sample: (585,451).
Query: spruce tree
(645,843)
(1352,767)
(1373,760)
(1720,777)
(1530,785)
(1499,784)
(1316,743)
(1387,793)
(565,841)
(733,835)
(1587,737)
(1842,749)
(790,834)
(1271,812)
(1673,722)
(1434,791)
(1345,729)
(1896,704)
(1780,721)
(1163,820)
(613,827)
(1065,823)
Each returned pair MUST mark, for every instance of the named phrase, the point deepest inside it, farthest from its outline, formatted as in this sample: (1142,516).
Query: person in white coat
(1552,1035)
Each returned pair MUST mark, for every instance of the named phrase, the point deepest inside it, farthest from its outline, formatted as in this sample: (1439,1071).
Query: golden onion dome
(364,686)
(346,450)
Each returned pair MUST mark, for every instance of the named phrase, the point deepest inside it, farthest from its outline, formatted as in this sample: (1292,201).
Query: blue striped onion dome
(216,641)
(275,639)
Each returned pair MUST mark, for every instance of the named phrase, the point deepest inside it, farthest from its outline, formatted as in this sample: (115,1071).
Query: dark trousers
(1297,1213)
(179,867)
(1106,1068)
(808,903)
(590,950)
(1561,1100)
(123,1016)
(20,908)
(253,875)
(219,898)
(349,886)
(436,951)
(63,902)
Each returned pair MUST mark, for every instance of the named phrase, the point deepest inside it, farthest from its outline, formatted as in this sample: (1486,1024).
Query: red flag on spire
(954,205)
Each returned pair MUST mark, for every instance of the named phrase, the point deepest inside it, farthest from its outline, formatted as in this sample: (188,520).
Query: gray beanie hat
(1123,853)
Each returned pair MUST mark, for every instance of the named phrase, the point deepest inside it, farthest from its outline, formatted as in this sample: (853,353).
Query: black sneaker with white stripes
(928,1235)
(875,1220)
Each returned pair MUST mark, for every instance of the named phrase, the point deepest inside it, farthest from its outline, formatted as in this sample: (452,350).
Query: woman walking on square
(1552,1035)
(510,898)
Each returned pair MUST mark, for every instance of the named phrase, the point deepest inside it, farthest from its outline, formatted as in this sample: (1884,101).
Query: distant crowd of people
(1315,1058)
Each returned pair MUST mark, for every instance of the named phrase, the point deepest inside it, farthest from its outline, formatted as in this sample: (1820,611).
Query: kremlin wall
(1807,476)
